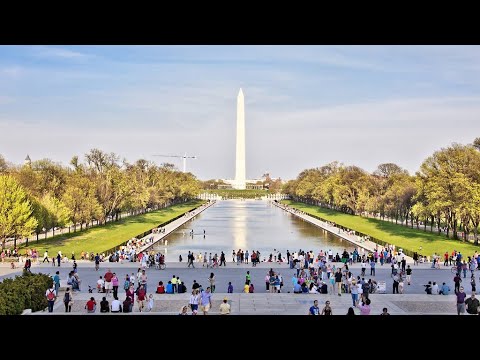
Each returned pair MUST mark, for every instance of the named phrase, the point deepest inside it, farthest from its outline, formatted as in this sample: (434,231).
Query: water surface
(248,224)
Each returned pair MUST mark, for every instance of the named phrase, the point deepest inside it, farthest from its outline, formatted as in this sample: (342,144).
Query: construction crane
(184,157)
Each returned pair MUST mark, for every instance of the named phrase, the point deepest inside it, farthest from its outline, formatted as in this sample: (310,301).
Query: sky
(305,106)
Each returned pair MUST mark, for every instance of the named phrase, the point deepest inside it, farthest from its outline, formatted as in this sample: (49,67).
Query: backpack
(51,295)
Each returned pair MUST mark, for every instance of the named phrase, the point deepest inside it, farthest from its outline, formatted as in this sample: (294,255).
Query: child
(150,303)
(100,285)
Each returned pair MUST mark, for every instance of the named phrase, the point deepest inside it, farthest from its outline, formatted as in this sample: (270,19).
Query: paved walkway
(281,304)
(413,301)
(367,245)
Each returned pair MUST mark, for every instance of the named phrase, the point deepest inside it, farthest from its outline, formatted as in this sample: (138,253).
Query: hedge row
(24,292)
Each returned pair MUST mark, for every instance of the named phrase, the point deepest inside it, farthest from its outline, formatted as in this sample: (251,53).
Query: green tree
(51,177)
(447,176)
(351,189)
(41,214)
(476,143)
(80,200)
(16,218)
(58,212)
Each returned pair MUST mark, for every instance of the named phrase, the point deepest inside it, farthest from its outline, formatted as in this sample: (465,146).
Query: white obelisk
(240,178)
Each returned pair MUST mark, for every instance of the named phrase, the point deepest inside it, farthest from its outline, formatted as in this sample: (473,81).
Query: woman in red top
(141,295)
(91,305)
(131,293)
(160,288)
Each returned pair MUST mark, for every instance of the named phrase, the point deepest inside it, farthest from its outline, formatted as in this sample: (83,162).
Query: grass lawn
(401,236)
(101,238)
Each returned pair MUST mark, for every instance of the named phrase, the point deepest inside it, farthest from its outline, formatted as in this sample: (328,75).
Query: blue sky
(305,105)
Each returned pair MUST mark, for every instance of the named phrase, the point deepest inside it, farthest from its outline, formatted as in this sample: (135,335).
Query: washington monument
(240,178)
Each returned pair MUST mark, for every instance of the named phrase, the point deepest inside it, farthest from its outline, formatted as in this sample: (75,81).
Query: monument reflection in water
(248,225)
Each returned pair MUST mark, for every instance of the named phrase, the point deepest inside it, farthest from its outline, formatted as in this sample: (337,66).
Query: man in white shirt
(116,306)
(100,284)
(301,261)
(435,290)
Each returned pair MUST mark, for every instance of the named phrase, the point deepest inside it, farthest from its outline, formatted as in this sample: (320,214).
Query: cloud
(12,71)
(6,100)
(57,52)
(404,131)
(417,113)
(305,106)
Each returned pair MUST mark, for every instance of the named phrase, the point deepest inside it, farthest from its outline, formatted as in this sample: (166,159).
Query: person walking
(461,301)
(338,281)
(141,298)
(408,271)
(206,301)
(108,282)
(248,278)
(415,258)
(51,295)
(115,283)
(194,300)
(354,292)
(68,300)
(457,280)
(396,281)
(211,279)
(222,259)
(56,280)
(314,310)
(327,310)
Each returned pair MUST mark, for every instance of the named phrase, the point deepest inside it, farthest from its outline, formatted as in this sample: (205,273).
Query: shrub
(24,292)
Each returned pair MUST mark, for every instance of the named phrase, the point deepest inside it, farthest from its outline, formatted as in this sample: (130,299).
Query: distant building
(28,161)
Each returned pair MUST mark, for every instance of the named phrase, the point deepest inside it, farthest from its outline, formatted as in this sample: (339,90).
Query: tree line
(444,192)
(43,194)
